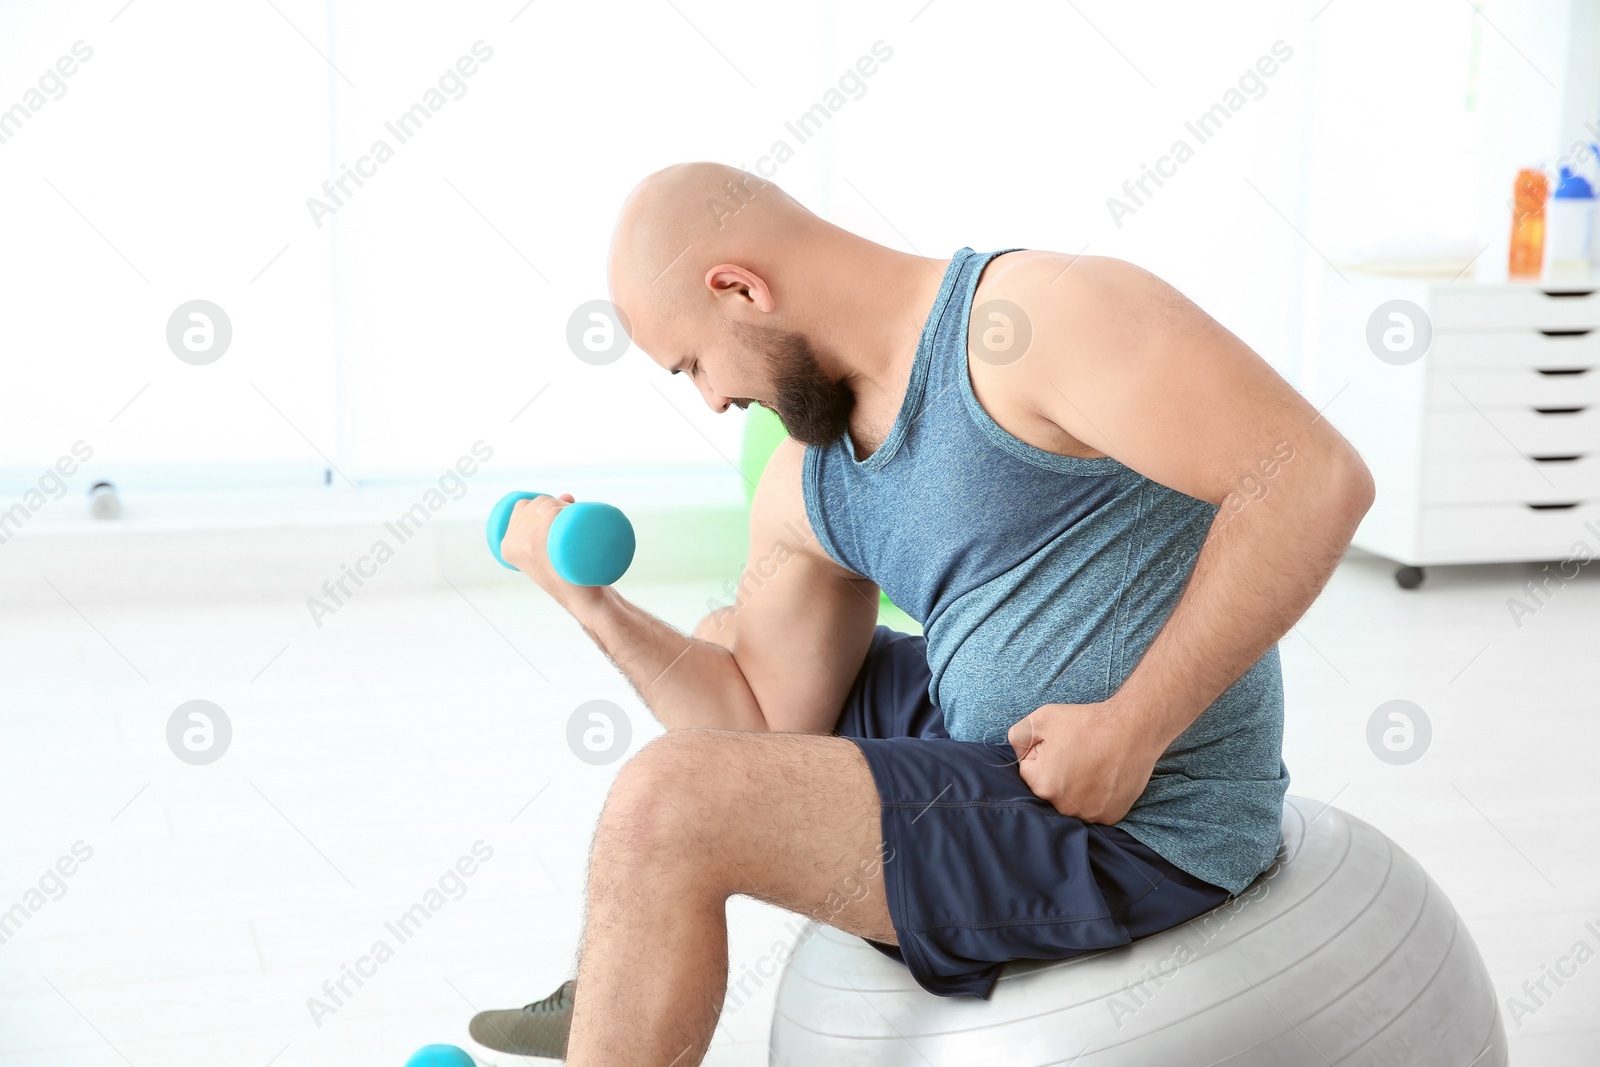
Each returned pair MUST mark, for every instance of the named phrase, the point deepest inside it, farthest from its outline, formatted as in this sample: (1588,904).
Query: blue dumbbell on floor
(590,543)
(440,1056)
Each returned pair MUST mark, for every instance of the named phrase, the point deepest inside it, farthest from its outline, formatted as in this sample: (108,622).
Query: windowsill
(691,524)
(690,489)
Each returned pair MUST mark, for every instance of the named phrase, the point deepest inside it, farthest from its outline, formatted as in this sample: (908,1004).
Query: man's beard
(814,410)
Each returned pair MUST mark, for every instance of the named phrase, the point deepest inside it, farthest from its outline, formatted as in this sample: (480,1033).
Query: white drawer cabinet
(1469,388)
(1519,306)
(1548,348)
(1493,432)
(1539,485)
(1487,447)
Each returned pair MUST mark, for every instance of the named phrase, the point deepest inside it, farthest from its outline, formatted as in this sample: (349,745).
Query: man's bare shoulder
(1066,317)
(1059,287)
(1043,320)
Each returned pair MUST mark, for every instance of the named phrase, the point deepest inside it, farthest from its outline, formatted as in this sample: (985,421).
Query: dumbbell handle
(589,544)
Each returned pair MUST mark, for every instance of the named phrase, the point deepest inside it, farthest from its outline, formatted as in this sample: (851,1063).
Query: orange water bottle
(1527,223)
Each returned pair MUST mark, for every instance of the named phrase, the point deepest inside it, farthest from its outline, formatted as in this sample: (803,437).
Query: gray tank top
(1042,579)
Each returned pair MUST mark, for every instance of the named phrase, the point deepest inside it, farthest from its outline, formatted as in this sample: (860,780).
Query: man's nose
(714,400)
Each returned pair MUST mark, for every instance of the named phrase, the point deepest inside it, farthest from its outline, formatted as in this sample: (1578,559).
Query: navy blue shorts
(978,870)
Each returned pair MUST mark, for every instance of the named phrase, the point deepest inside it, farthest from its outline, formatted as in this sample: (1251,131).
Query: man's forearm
(1257,573)
(685,682)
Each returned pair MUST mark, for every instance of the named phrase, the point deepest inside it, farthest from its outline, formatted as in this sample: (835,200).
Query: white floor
(369,756)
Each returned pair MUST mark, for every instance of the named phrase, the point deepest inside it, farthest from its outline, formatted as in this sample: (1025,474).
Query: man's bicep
(803,622)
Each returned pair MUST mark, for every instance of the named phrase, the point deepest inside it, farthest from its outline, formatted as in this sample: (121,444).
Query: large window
(399,209)
(166,167)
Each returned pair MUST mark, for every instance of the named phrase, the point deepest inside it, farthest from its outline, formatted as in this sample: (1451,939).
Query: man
(1103,508)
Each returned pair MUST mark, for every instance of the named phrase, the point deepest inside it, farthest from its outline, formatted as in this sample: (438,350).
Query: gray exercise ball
(1343,952)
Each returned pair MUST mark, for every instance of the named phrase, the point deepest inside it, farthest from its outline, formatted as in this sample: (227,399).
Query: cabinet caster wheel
(1408,577)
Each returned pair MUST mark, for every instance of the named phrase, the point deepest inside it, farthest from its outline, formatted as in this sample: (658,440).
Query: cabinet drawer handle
(1553,507)
(1563,411)
(1567,333)
(1563,372)
(1573,458)
(1558,293)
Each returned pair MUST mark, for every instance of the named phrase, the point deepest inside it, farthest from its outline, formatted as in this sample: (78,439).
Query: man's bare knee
(651,813)
(698,816)
(632,816)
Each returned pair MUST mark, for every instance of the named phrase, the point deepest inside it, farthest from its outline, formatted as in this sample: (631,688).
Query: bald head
(722,275)
(683,220)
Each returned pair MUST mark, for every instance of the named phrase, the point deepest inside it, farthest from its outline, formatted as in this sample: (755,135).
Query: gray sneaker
(537,1029)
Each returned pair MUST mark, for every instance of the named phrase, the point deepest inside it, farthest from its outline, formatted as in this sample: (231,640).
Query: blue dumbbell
(590,543)
(440,1056)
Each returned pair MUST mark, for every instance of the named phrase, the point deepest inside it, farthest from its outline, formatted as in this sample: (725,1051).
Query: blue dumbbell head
(590,543)
(440,1056)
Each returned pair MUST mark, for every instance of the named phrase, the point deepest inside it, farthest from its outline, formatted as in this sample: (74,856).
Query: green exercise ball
(763,432)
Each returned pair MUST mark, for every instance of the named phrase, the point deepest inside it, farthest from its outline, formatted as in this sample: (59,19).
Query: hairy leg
(696,817)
